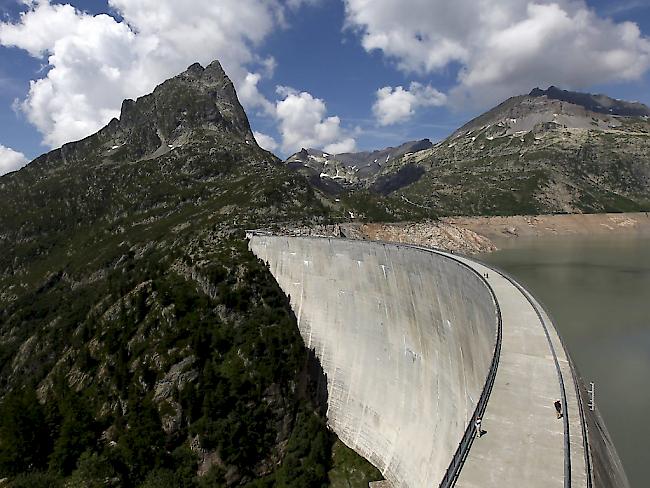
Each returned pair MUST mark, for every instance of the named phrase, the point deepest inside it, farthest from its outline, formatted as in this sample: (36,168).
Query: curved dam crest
(406,340)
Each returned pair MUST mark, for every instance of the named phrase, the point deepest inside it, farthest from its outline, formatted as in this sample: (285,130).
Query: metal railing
(583,425)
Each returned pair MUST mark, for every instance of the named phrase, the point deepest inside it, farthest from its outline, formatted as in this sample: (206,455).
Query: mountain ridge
(594,102)
(337,173)
(545,152)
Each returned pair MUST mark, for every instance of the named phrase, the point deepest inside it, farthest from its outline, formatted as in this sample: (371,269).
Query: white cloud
(343,146)
(394,105)
(11,160)
(250,95)
(265,141)
(303,123)
(94,62)
(269,64)
(503,47)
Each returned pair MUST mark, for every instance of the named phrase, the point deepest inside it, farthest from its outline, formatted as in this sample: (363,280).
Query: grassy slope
(556,171)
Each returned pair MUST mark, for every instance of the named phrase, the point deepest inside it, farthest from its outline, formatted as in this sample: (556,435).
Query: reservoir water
(597,289)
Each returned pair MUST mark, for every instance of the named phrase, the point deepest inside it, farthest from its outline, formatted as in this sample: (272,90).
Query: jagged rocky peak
(358,169)
(304,155)
(198,106)
(382,156)
(363,159)
(198,98)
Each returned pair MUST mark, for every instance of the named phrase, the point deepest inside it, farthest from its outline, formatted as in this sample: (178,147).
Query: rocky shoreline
(501,230)
(474,235)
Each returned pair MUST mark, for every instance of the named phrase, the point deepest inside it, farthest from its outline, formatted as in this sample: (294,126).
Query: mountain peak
(198,99)
(212,72)
(555,108)
(196,103)
(194,69)
(594,103)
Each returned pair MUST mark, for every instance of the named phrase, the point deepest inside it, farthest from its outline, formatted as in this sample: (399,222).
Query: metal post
(592,396)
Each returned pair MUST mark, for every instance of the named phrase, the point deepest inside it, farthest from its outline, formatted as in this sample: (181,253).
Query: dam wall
(406,338)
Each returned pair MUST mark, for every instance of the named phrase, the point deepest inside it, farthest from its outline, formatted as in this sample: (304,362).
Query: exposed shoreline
(502,230)
(474,235)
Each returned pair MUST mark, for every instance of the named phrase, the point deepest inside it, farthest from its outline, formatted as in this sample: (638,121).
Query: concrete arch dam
(415,345)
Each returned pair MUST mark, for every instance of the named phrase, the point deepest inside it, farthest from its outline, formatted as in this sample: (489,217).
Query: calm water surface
(597,289)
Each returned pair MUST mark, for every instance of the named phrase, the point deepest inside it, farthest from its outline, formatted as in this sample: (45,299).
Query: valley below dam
(596,287)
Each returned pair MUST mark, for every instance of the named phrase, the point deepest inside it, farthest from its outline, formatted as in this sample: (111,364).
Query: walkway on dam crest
(524,442)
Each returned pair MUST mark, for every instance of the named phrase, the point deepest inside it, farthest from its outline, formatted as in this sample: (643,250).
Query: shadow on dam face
(405,338)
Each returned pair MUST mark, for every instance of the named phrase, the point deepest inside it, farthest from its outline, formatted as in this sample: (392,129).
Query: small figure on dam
(558,408)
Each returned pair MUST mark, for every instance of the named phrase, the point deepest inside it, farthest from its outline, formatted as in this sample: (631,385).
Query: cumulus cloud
(250,95)
(502,47)
(265,141)
(96,61)
(394,105)
(303,122)
(11,160)
(346,145)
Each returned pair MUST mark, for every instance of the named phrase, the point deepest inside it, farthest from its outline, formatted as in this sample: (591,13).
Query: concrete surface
(405,338)
(406,335)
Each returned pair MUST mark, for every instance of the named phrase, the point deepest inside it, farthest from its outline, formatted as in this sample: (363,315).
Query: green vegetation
(367,206)
(242,347)
(547,170)
(349,470)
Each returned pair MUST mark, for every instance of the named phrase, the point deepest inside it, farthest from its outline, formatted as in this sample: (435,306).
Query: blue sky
(351,77)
